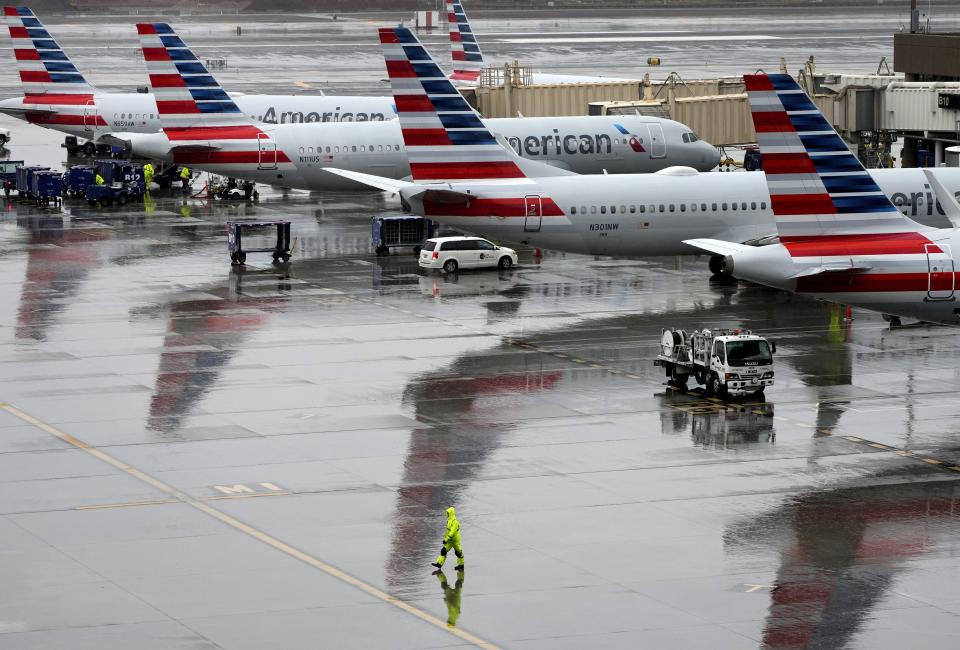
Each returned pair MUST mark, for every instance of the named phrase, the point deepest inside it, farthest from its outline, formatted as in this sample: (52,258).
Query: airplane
(464,177)
(841,239)
(204,128)
(468,59)
(57,96)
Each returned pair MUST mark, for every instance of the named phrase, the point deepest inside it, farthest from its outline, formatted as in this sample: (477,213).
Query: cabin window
(613,209)
(354,148)
(336,149)
(328,148)
(603,209)
(633,209)
(763,205)
(309,149)
(301,150)
(593,209)
(703,207)
(743,206)
(643,209)
(733,206)
(379,147)
(663,208)
(683,207)
(672,207)
(753,205)
(573,209)
(623,209)
(724,207)
(713,206)
(363,147)
(693,207)
(616,141)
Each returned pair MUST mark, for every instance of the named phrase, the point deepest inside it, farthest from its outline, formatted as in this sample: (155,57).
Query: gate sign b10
(948,100)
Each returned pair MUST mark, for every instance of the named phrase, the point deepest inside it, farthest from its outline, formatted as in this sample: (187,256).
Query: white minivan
(452,253)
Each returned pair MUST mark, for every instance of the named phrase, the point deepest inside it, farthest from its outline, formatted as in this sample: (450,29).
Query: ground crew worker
(98,180)
(148,175)
(451,539)
(451,596)
(185,177)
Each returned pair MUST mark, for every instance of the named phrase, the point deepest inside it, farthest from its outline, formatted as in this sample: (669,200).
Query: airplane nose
(711,157)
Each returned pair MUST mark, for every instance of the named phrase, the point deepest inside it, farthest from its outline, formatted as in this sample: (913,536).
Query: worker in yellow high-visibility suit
(451,540)
(98,180)
(147,175)
(185,177)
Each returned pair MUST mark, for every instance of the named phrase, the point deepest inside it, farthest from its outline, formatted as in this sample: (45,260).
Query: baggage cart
(25,180)
(235,240)
(47,188)
(400,232)
(8,175)
(77,179)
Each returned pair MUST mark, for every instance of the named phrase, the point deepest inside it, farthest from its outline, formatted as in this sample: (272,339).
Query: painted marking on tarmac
(249,530)
(752,588)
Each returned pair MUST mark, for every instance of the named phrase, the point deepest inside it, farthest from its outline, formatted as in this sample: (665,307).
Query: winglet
(947,201)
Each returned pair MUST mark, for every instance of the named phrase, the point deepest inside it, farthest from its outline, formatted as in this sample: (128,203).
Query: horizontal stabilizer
(717,246)
(17,111)
(837,267)
(947,201)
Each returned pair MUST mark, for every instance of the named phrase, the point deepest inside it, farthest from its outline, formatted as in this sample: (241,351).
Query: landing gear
(89,148)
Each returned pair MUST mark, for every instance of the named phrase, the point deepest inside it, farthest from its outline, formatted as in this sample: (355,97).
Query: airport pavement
(199,456)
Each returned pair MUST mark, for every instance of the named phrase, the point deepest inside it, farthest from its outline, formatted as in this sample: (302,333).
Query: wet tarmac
(199,456)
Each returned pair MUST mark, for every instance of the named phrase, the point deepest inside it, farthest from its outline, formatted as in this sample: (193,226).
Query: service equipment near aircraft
(723,361)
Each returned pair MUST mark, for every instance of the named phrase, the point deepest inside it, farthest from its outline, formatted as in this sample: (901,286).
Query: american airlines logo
(555,144)
(291,117)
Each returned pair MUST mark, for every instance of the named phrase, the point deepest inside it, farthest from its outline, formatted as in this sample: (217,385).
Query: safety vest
(185,173)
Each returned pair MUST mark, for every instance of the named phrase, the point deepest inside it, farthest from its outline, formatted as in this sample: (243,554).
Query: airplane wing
(717,246)
(440,193)
(379,182)
(947,201)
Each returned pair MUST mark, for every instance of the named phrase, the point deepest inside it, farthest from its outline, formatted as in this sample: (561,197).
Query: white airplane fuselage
(620,144)
(109,113)
(650,214)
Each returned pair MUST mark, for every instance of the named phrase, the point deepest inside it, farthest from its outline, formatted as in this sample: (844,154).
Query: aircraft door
(89,116)
(940,272)
(267,148)
(658,144)
(534,213)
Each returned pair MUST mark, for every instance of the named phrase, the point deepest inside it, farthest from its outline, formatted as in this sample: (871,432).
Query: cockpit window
(690,137)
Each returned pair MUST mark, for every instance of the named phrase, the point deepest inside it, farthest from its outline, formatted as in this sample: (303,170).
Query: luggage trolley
(400,232)
(8,175)
(238,255)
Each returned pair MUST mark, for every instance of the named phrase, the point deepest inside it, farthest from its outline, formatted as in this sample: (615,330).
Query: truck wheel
(105,202)
(715,386)
(122,199)
(679,380)
(89,148)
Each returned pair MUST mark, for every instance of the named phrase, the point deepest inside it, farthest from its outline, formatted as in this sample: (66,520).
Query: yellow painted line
(128,504)
(955,468)
(932,461)
(877,445)
(302,84)
(247,529)
(853,439)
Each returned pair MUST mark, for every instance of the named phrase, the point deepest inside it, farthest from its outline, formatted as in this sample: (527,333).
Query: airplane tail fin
(820,193)
(202,122)
(46,72)
(445,138)
(467,57)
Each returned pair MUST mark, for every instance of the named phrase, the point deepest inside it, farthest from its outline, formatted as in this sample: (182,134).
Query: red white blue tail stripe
(467,57)
(195,110)
(45,69)
(817,186)
(444,136)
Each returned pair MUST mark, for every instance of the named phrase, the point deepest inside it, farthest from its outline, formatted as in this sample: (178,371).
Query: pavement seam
(249,530)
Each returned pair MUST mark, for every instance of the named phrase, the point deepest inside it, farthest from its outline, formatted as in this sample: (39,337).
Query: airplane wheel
(89,148)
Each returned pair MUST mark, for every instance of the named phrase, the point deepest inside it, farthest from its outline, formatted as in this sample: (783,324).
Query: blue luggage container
(46,187)
(77,179)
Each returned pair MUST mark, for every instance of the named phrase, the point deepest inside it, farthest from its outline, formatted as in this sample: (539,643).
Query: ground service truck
(723,361)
